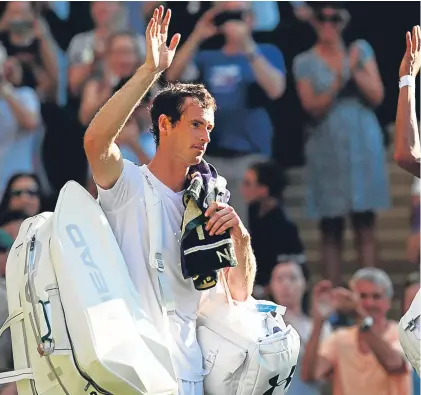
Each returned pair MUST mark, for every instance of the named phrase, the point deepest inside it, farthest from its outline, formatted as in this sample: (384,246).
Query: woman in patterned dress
(338,88)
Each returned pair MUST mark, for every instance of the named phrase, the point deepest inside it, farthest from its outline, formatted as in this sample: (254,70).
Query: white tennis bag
(410,332)
(76,320)
(247,348)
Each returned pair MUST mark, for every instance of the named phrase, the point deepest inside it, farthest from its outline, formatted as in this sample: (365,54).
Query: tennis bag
(247,348)
(410,332)
(76,320)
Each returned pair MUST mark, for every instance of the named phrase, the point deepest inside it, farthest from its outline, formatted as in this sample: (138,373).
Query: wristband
(406,80)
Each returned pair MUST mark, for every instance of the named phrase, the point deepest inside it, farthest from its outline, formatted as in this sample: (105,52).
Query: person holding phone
(244,77)
(26,38)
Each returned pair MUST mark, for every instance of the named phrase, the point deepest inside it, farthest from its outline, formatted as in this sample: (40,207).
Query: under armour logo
(274,383)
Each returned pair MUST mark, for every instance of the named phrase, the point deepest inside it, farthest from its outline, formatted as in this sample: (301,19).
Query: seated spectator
(274,236)
(87,50)
(245,78)
(23,192)
(20,123)
(365,359)
(6,357)
(412,286)
(287,287)
(11,221)
(346,166)
(27,39)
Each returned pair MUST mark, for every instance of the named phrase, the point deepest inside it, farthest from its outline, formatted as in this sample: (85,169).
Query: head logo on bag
(274,383)
(96,275)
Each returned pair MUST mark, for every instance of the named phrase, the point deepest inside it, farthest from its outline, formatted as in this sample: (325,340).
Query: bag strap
(13,318)
(227,292)
(16,375)
(156,258)
(21,374)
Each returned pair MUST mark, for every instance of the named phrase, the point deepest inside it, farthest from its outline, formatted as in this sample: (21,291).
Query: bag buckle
(411,325)
(159,262)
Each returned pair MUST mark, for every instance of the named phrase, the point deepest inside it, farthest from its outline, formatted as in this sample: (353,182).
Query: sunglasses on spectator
(334,18)
(20,192)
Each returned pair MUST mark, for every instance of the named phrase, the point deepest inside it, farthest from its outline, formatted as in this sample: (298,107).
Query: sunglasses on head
(20,192)
(334,18)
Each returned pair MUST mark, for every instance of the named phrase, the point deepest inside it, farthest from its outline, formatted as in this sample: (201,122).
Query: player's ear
(164,124)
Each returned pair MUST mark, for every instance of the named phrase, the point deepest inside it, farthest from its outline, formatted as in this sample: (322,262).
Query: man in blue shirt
(243,77)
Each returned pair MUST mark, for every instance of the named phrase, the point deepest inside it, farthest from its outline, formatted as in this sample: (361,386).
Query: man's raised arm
(407,145)
(101,150)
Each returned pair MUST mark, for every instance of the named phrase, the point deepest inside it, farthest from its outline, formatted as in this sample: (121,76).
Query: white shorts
(190,387)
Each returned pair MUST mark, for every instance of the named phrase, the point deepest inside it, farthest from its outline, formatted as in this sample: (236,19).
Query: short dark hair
(170,102)
(272,176)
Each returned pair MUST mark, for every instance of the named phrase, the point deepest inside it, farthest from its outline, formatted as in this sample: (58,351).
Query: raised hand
(158,55)
(205,27)
(411,61)
(322,306)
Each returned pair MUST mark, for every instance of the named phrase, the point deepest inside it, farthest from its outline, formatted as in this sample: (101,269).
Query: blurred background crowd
(306,95)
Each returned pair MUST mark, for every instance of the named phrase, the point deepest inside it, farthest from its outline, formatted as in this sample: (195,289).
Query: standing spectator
(20,123)
(243,77)
(26,38)
(274,236)
(287,288)
(23,192)
(338,87)
(365,359)
(86,50)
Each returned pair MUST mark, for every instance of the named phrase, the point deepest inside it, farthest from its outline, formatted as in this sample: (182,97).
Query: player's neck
(169,170)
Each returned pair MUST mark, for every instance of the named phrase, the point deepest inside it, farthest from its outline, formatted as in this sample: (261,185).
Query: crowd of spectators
(296,84)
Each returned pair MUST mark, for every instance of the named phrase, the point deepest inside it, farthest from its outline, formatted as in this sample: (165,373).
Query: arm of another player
(407,146)
(103,154)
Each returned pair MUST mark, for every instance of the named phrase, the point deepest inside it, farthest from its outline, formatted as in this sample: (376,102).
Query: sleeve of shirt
(74,54)
(124,190)
(301,68)
(328,348)
(366,52)
(30,100)
(274,56)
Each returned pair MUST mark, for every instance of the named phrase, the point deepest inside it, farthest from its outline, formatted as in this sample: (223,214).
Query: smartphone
(226,16)
(20,26)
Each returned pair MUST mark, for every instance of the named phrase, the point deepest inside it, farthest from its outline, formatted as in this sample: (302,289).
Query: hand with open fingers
(345,301)
(222,217)
(322,306)
(159,56)
(354,57)
(205,28)
(411,61)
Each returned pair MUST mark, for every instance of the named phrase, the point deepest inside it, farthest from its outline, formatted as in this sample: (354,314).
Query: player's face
(190,136)
(373,298)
